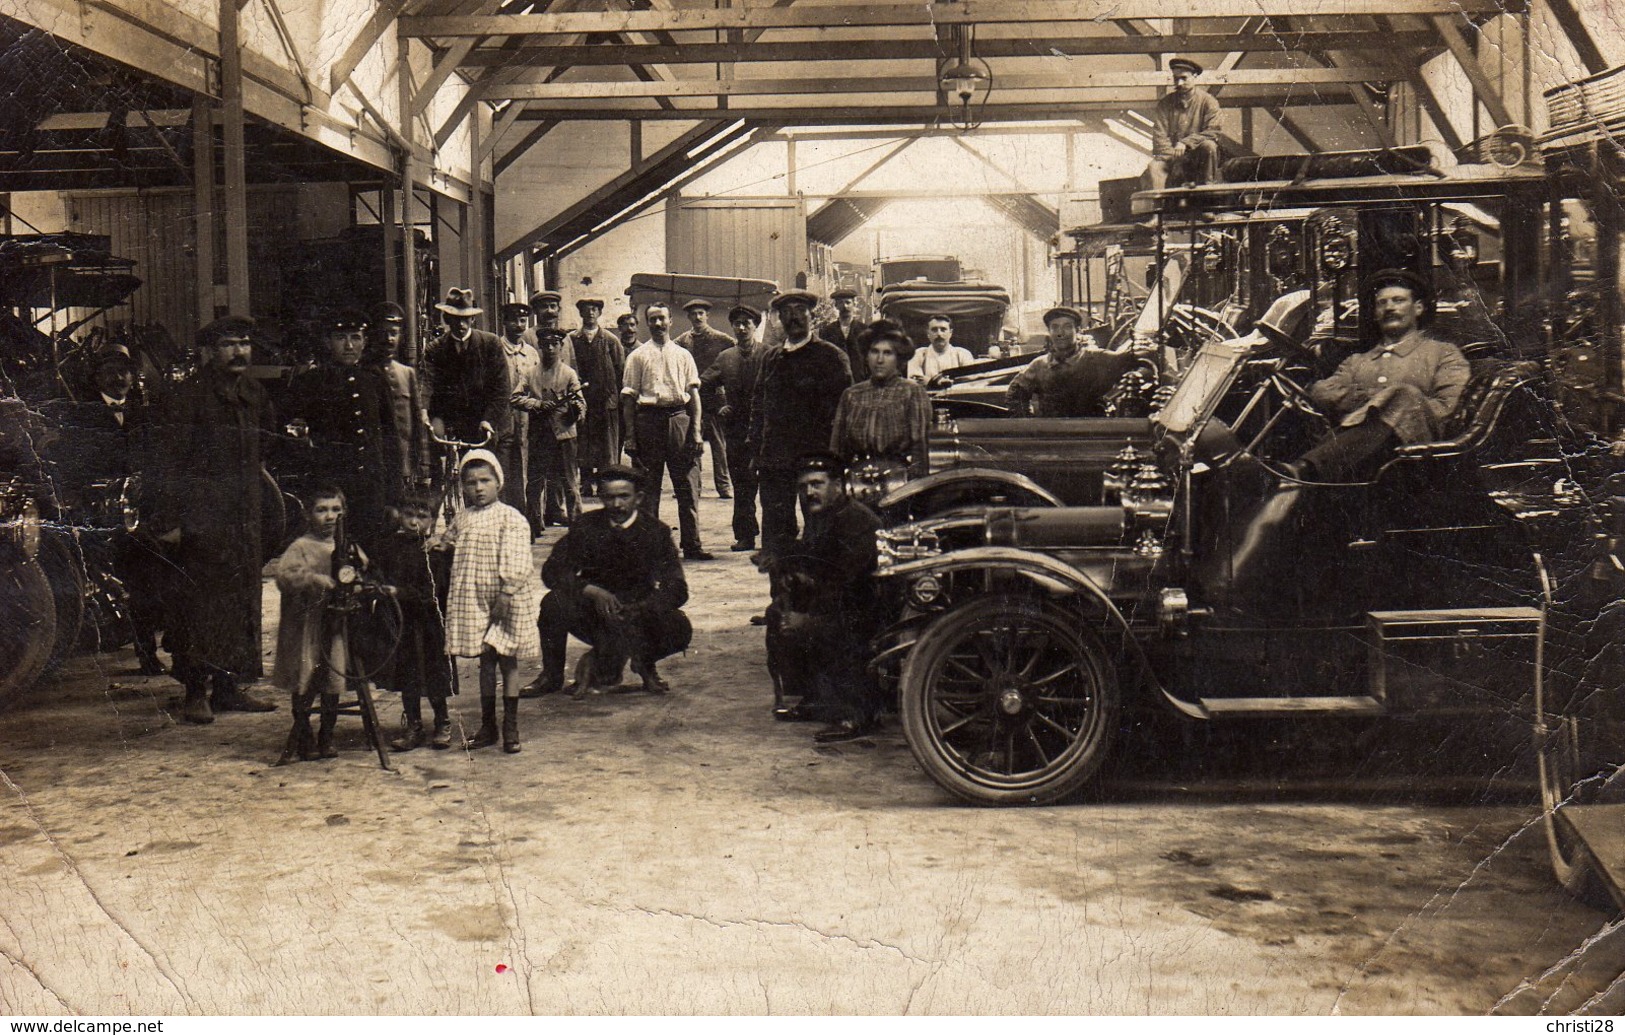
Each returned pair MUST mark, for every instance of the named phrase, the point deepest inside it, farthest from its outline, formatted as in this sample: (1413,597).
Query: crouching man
(824,608)
(617,585)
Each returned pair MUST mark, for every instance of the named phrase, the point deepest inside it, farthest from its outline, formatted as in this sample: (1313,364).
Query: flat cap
(388,312)
(1066,311)
(820,460)
(696,303)
(1185,64)
(545,296)
(516,309)
(225,327)
(550,334)
(750,313)
(1399,278)
(843,293)
(343,318)
(806,298)
(582,303)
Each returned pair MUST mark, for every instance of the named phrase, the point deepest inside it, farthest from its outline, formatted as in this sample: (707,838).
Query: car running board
(1233,707)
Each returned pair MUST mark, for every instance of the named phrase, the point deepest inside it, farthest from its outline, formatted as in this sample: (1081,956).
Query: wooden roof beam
(875,115)
(963,12)
(1483,89)
(1573,25)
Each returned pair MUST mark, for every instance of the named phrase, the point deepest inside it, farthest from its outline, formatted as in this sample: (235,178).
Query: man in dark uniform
(603,365)
(100,444)
(824,608)
(733,377)
(465,376)
(1068,381)
(796,396)
(842,332)
(617,585)
(349,421)
(209,479)
(706,343)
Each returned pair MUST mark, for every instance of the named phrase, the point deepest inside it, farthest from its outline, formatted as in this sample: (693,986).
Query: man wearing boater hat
(465,376)
(1397,393)
(1185,132)
(349,422)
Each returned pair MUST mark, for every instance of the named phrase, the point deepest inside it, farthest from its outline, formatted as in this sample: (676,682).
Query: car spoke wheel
(27,626)
(1010,700)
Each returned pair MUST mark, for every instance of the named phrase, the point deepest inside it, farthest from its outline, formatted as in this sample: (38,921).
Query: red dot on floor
(502,968)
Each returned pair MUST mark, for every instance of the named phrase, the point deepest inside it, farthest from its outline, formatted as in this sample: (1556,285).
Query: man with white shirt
(660,410)
(930,366)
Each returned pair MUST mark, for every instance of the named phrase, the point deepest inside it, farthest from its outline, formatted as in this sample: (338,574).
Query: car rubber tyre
(1010,700)
(27,627)
(63,565)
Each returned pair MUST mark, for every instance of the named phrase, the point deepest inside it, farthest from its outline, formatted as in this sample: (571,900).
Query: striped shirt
(883,420)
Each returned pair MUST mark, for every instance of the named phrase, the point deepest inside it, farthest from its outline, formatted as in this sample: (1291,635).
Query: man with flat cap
(386,330)
(1184,132)
(519,348)
(1068,380)
(797,392)
(602,360)
(706,343)
(208,485)
(349,428)
(825,608)
(550,395)
(842,332)
(545,310)
(1399,392)
(733,378)
(465,376)
(616,584)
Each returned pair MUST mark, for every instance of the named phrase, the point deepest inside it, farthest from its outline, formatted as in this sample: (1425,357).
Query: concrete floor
(688,855)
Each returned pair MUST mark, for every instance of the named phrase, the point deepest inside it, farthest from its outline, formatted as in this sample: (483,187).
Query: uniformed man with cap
(1397,393)
(733,378)
(797,393)
(519,346)
(386,330)
(207,493)
(706,343)
(842,332)
(1184,132)
(602,365)
(349,422)
(1068,380)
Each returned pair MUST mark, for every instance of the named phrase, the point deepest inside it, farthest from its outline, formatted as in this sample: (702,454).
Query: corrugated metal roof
(839,217)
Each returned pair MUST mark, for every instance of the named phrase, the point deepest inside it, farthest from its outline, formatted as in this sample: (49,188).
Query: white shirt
(926,364)
(660,375)
(117,406)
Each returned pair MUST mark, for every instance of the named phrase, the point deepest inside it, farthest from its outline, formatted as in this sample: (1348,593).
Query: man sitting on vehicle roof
(1067,381)
(1398,392)
(1185,133)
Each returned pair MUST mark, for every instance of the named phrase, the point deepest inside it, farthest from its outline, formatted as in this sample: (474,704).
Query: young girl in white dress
(491,607)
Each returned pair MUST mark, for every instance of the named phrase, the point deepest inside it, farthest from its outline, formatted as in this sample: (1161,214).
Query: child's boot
(301,743)
(487,734)
(510,725)
(324,733)
(441,740)
(412,736)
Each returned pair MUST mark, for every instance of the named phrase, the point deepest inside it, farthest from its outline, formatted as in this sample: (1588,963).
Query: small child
(416,574)
(304,647)
(494,597)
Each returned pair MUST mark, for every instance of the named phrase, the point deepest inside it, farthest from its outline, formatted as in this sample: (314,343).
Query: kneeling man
(824,607)
(1398,393)
(617,585)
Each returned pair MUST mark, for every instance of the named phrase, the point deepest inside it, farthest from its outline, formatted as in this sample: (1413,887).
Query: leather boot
(487,733)
(196,706)
(324,733)
(229,697)
(510,725)
(301,745)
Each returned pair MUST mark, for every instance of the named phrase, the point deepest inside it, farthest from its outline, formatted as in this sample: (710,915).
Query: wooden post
(470,221)
(409,259)
(390,223)
(790,167)
(236,167)
(203,202)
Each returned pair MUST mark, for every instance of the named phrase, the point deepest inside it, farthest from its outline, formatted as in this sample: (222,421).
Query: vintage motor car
(1068,578)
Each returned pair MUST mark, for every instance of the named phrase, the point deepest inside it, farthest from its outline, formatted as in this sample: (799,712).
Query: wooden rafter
(363,42)
(1570,20)
(1485,90)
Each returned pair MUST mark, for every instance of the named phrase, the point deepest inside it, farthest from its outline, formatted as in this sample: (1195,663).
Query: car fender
(920,498)
(1053,576)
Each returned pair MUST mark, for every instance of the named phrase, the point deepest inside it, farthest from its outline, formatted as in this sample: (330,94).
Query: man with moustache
(208,483)
(603,364)
(660,410)
(797,392)
(546,308)
(1067,381)
(842,332)
(465,376)
(1185,132)
(733,377)
(349,423)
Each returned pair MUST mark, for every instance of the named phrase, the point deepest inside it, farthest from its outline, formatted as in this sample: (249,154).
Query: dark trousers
(721,479)
(778,488)
(1351,454)
(744,489)
(662,440)
(639,635)
(1197,166)
(555,485)
(824,663)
